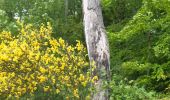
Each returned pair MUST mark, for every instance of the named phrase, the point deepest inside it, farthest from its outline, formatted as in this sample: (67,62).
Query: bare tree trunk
(97,45)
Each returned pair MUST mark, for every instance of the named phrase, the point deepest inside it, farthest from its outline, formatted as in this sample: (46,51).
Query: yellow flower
(66,78)
(75,92)
(70,49)
(24,90)
(13,74)
(42,78)
(41,62)
(19,81)
(79,46)
(63,66)
(53,81)
(46,88)
(37,56)
(81,78)
(54,43)
(51,67)
(61,41)
(34,83)
(84,83)
(57,91)
(95,78)
(42,70)
(57,70)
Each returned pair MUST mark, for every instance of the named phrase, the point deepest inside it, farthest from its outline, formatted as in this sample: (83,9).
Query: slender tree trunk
(66,11)
(97,46)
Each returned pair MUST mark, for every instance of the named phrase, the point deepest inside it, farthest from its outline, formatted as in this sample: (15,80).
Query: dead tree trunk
(97,45)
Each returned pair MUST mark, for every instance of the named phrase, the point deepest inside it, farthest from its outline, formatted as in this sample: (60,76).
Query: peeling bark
(97,45)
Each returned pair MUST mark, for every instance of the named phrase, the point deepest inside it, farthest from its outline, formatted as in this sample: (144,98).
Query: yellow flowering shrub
(34,62)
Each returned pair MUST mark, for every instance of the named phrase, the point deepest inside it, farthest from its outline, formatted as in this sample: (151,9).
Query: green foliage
(56,12)
(122,90)
(138,32)
(3,19)
(140,51)
(115,11)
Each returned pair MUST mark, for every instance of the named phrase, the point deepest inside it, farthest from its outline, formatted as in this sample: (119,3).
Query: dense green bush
(140,51)
(124,90)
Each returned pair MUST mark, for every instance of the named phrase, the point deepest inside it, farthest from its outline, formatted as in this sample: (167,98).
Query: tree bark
(97,45)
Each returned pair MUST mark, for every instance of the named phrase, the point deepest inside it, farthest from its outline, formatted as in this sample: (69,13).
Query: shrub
(124,90)
(33,62)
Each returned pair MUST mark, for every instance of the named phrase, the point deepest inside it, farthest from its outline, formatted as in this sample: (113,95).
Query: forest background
(138,33)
